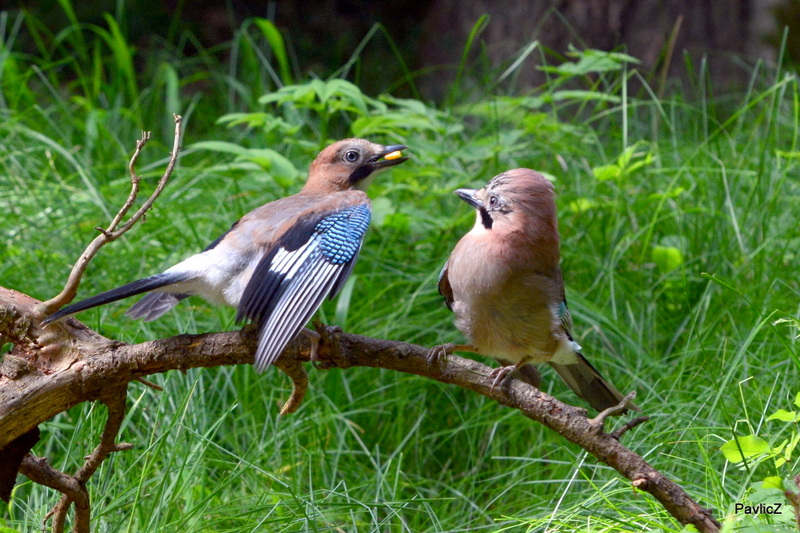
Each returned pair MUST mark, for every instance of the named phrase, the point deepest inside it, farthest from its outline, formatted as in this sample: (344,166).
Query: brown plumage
(503,282)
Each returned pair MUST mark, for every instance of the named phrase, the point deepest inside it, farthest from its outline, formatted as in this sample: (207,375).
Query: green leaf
(721,282)
(220,146)
(674,192)
(389,123)
(584,96)
(343,300)
(741,448)
(606,172)
(266,158)
(382,207)
(788,154)
(123,56)
(772,482)
(589,61)
(278,46)
(348,92)
(273,161)
(581,205)
(249,119)
(667,258)
(783,415)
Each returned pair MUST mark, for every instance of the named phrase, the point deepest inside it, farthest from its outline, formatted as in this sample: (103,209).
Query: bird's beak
(470,196)
(389,156)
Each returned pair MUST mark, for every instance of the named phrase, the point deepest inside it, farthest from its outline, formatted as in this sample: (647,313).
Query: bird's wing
(219,239)
(565,317)
(310,261)
(444,287)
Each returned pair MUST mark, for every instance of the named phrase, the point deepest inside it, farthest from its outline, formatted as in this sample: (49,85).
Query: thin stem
(112,233)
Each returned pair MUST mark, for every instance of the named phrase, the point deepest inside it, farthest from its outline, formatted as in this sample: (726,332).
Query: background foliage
(680,252)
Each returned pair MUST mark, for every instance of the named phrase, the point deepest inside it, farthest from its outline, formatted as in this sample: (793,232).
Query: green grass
(680,248)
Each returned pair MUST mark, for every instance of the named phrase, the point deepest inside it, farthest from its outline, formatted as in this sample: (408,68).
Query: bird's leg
(503,373)
(313,338)
(441,351)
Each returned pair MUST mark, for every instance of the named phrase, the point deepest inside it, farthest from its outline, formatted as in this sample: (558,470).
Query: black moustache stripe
(486,220)
(360,173)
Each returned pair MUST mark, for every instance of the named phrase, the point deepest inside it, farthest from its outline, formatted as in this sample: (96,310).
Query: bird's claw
(501,375)
(439,353)
(313,338)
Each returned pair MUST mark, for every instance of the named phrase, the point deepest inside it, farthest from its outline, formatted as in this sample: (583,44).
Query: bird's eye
(493,201)
(351,156)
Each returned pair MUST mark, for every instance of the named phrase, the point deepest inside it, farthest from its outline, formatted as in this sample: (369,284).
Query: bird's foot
(313,338)
(501,375)
(442,351)
(439,353)
(330,336)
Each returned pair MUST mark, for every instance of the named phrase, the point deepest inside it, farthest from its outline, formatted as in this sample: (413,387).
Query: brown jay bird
(503,283)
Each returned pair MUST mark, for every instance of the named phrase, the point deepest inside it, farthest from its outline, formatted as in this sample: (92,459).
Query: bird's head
(350,164)
(516,199)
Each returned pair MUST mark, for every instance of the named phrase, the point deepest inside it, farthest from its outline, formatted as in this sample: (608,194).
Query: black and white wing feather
(311,261)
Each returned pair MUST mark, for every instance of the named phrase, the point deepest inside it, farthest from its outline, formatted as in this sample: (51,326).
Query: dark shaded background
(431,34)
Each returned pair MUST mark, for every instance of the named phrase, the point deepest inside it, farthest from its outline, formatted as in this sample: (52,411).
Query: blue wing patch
(312,261)
(341,234)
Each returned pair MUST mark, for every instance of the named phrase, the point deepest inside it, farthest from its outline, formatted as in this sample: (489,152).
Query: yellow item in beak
(393,155)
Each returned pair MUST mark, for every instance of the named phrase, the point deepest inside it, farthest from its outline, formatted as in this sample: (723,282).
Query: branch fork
(58,339)
(113,232)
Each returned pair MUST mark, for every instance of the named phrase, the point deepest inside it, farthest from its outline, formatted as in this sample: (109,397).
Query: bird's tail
(130,289)
(587,383)
(154,305)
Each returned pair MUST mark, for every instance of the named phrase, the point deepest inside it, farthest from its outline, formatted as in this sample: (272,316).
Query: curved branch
(36,393)
(73,488)
(112,233)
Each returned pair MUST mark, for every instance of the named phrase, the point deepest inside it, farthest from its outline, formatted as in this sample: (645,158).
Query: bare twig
(150,384)
(620,431)
(614,410)
(73,488)
(39,470)
(115,403)
(112,233)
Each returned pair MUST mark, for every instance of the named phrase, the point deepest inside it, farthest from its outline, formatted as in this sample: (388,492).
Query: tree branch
(39,353)
(112,233)
(73,488)
(39,470)
(35,395)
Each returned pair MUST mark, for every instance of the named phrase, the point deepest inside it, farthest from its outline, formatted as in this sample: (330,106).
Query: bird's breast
(503,308)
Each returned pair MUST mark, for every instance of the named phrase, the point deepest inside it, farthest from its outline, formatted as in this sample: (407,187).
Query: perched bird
(503,282)
(278,262)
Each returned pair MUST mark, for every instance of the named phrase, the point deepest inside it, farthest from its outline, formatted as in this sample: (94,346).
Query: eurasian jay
(277,263)
(503,283)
